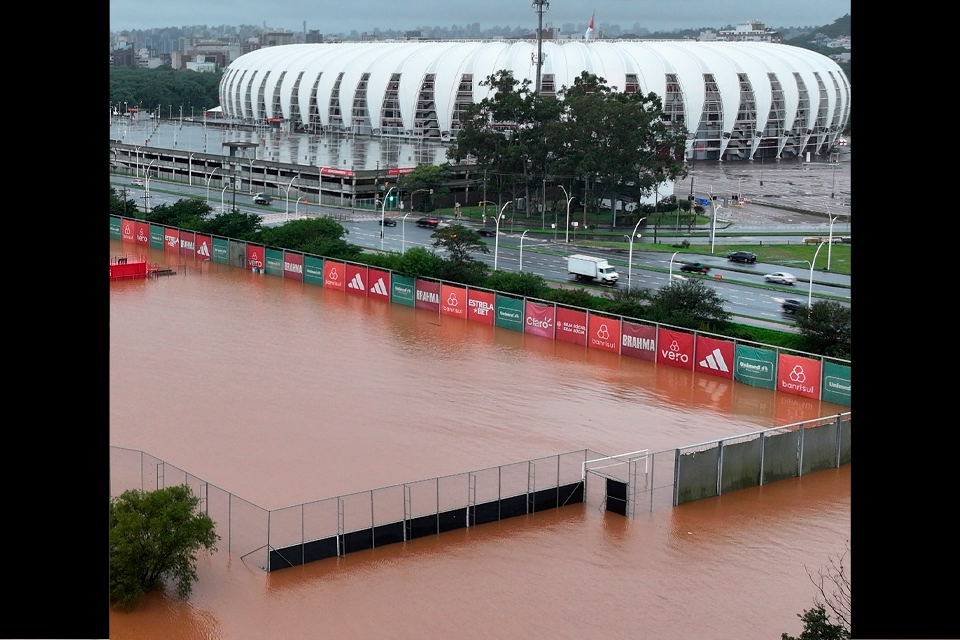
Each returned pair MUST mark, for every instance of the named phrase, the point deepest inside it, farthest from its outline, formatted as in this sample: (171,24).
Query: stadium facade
(738,100)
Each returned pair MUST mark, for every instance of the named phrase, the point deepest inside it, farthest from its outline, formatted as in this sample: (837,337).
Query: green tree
(525,284)
(817,626)
(232,225)
(688,303)
(460,242)
(155,537)
(123,206)
(186,213)
(826,327)
(419,262)
(424,184)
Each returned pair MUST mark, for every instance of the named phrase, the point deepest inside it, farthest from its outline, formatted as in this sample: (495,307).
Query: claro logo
(674,354)
(538,323)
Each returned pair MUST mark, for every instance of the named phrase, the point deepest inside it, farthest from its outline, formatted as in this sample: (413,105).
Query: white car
(137,182)
(781,277)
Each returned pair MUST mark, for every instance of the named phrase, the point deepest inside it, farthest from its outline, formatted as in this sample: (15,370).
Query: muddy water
(283,393)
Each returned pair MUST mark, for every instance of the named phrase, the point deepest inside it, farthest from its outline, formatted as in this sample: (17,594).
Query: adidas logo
(203,250)
(356,283)
(715,361)
(380,288)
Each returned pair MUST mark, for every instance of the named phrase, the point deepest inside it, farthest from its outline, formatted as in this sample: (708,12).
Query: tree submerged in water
(833,583)
(154,537)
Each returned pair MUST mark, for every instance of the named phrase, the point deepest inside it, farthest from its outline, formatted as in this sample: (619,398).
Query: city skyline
(366,17)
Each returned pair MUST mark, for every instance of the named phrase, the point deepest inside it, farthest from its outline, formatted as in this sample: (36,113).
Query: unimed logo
(508,314)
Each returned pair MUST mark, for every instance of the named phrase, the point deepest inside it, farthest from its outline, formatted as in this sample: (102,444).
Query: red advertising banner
(204,246)
(714,357)
(604,334)
(171,240)
(638,341)
(127,231)
(798,375)
(292,265)
(539,319)
(675,348)
(480,306)
(571,326)
(453,301)
(379,284)
(255,257)
(327,171)
(334,275)
(187,246)
(427,295)
(141,232)
(357,279)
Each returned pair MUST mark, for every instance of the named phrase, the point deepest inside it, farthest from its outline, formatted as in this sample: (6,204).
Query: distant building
(754,31)
(314,36)
(276,38)
(745,100)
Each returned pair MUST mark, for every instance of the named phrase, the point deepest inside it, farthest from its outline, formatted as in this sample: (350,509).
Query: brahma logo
(644,344)
(187,244)
(674,353)
(292,267)
(428,296)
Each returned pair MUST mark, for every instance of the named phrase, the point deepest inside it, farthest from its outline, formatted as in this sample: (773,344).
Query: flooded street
(282,392)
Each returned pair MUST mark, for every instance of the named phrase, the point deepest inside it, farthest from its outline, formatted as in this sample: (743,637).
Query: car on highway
(487,231)
(137,183)
(694,267)
(428,221)
(742,256)
(262,198)
(790,305)
(387,222)
(781,277)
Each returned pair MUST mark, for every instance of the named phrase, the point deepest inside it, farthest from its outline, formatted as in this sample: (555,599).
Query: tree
(833,584)
(154,537)
(426,181)
(419,262)
(186,213)
(232,225)
(122,206)
(688,303)
(460,242)
(826,327)
(525,284)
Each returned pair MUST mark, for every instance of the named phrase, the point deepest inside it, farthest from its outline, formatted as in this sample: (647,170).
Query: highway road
(741,285)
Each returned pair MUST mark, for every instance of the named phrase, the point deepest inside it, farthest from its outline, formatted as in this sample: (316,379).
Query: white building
(737,100)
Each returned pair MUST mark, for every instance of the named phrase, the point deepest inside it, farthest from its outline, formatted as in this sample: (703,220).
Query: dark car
(387,222)
(694,267)
(742,256)
(487,231)
(790,305)
(428,221)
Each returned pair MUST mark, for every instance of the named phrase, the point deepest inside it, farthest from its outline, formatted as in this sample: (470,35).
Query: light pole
(813,262)
(190,170)
(670,277)
(286,213)
(403,234)
(569,200)
(496,240)
(209,178)
(521,248)
(630,259)
(830,248)
(383,214)
(223,206)
(146,188)
(713,225)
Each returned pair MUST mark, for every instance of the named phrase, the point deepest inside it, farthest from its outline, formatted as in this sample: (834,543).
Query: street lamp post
(630,258)
(383,214)
(713,225)
(146,188)
(286,212)
(569,200)
(209,178)
(496,240)
(813,262)
(403,233)
(521,248)
(830,248)
(670,277)
(223,206)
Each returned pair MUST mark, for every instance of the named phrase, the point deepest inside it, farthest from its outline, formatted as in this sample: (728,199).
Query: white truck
(592,269)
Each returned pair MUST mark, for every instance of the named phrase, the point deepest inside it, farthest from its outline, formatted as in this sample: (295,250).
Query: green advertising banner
(509,313)
(313,270)
(756,367)
(836,383)
(115,228)
(156,236)
(274,262)
(220,251)
(402,290)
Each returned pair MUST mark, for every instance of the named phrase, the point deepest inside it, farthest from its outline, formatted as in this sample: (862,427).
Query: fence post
(268,542)
(763,448)
(800,450)
(839,440)
(676,477)
(720,469)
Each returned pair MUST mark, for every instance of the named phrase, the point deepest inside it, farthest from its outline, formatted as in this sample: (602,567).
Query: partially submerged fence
(639,480)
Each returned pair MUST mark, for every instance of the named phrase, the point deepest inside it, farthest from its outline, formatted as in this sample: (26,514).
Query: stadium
(738,100)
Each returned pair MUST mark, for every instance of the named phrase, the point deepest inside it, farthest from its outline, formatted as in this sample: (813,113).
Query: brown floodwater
(283,393)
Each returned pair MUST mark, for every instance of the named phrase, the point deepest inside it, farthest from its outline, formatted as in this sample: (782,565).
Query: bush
(825,325)
(155,536)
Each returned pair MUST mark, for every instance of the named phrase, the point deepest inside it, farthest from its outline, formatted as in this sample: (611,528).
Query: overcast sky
(365,15)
